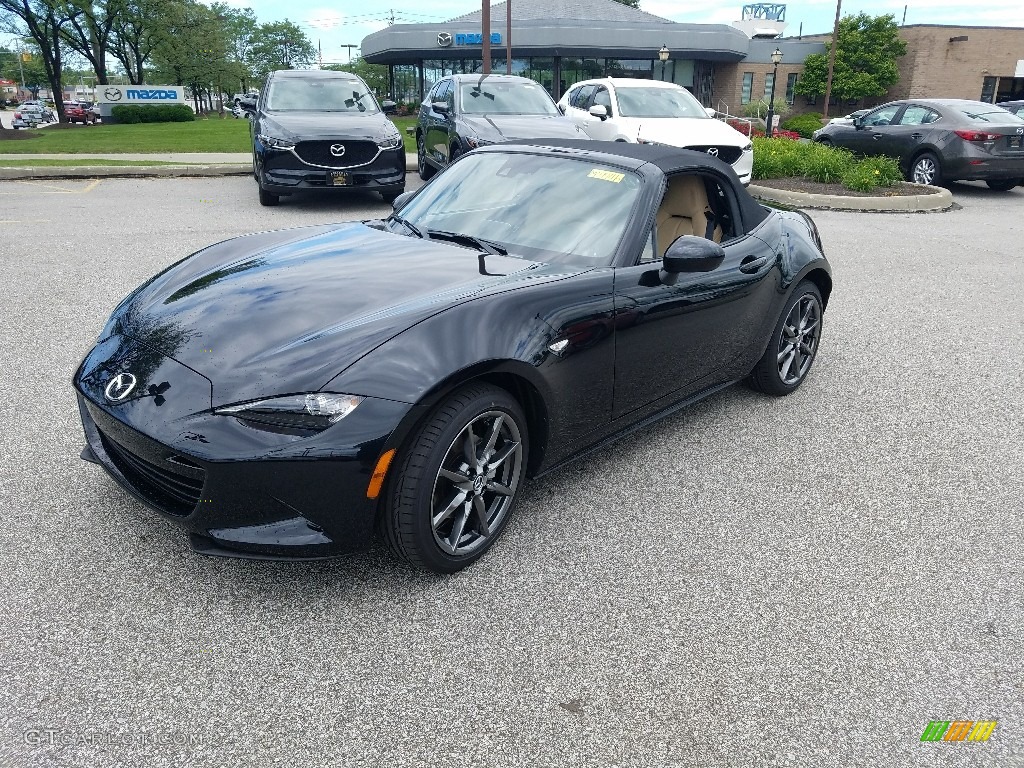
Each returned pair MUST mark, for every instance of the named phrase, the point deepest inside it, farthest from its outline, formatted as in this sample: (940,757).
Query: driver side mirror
(712,112)
(561,108)
(858,123)
(401,200)
(690,253)
(248,104)
(599,111)
(440,107)
(389,107)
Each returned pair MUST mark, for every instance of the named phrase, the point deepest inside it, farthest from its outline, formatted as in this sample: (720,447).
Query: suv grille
(726,154)
(175,493)
(319,153)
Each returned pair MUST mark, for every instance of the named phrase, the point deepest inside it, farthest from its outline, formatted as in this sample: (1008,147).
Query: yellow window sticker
(606,175)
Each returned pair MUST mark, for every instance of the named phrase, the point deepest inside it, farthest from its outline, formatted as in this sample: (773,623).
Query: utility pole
(832,60)
(485,29)
(350,47)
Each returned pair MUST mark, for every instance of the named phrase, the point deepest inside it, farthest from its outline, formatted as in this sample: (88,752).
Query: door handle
(751,264)
(916,135)
(876,136)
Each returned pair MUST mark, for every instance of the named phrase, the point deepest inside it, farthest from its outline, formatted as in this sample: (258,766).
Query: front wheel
(389,196)
(425,169)
(793,345)
(1003,185)
(926,170)
(825,141)
(457,481)
(266,198)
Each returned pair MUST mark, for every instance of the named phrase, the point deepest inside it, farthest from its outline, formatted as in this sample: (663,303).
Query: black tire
(419,494)
(1003,185)
(774,373)
(389,196)
(454,154)
(825,141)
(266,198)
(926,169)
(426,170)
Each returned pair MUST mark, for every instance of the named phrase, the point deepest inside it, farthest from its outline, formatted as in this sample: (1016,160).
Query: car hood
(286,311)
(688,131)
(327,125)
(497,128)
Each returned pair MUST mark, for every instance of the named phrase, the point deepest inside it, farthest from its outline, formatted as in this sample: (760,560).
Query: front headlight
(275,143)
(641,140)
(476,141)
(748,147)
(390,142)
(315,412)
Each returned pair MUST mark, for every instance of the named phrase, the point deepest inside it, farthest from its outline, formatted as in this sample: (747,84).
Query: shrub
(805,124)
(872,172)
(776,158)
(759,109)
(152,113)
(826,164)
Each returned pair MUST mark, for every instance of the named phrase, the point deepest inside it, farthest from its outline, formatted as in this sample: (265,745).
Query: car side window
(442,90)
(583,96)
(432,95)
(650,252)
(918,115)
(882,116)
(602,97)
(693,205)
(449,97)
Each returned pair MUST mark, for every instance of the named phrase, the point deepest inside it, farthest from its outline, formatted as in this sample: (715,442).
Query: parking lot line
(52,189)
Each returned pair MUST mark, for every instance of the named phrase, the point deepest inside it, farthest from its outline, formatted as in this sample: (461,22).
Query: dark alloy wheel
(452,495)
(793,345)
(389,196)
(425,169)
(1002,185)
(926,170)
(266,198)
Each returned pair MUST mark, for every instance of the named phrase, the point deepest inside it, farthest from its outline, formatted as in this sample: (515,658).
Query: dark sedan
(285,394)
(463,112)
(324,131)
(940,140)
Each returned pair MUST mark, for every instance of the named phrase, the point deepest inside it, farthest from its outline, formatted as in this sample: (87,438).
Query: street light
(776,58)
(663,57)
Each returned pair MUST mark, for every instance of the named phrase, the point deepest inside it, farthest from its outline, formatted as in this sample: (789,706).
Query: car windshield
(658,102)
(985,113)
(503,97)
(319,95)
(531,205)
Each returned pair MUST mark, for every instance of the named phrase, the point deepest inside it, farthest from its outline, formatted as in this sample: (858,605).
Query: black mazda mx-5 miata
(282,394)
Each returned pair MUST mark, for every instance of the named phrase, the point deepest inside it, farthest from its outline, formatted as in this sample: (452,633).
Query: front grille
(173,492)
(319,153)
(726,154)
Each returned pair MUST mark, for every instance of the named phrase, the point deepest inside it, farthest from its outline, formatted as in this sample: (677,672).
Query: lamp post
(776,58)
(663,58)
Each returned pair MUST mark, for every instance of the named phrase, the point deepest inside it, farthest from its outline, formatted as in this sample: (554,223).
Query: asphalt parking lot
(752,582)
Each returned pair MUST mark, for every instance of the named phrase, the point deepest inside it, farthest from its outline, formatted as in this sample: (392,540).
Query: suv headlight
(475,141)
(275,143)
(390,142)
(748,147)
(314,412)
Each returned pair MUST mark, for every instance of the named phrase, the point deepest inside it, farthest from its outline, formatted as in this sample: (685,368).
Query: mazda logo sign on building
(444,39)
(112,94)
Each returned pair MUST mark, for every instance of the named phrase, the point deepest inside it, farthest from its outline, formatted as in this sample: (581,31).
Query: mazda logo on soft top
(337,150)
(119,387)
(444,39)
(713,151)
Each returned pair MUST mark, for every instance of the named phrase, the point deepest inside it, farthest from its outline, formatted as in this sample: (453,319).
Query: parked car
(655,112)
(940,140)
(27,116)
(1016,107)
(45,111)
(463,112)
(322,130)
(78,112)
(285,394)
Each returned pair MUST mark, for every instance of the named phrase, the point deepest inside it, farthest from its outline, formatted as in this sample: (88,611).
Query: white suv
(654,112)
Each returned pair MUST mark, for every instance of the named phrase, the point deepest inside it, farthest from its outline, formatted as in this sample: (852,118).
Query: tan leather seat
(684,211)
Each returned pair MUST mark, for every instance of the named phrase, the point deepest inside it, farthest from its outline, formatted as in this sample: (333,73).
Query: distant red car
(79,112)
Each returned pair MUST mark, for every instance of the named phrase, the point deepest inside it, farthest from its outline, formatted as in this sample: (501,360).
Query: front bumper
(271,497)
(284,172)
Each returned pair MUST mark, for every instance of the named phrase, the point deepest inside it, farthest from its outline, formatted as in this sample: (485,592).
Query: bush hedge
(152,113)
(779,158)
(805,124)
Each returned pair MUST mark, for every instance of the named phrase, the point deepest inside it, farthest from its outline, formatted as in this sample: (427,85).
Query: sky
(334,27)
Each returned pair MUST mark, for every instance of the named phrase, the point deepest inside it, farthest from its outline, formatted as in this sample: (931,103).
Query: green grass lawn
(402,123)
(14,162)
(213,135)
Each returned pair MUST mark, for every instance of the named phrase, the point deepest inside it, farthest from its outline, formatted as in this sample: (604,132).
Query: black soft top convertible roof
(668,160)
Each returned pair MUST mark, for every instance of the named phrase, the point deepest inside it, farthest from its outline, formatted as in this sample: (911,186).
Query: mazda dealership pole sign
(107,96)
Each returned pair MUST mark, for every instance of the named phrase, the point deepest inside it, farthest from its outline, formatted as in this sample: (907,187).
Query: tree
(89,30)
(44,22)
(280,45)
(375,75)
(135,34)
(191,49)
(866,54)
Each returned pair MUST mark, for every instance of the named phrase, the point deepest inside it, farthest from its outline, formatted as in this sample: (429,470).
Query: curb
(930,199)
(123,171)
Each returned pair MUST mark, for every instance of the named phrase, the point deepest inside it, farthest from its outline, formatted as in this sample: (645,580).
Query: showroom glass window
(769,81)
(791,87)
(748,86)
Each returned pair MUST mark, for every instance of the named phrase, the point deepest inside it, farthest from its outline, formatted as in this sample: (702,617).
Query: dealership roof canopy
(560,28)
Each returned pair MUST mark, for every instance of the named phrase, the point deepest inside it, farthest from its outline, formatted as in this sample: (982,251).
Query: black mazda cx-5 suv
(320,130)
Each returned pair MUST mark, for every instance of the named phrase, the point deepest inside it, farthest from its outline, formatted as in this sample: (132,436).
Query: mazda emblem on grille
(337,150)
(119,387)
(713,151)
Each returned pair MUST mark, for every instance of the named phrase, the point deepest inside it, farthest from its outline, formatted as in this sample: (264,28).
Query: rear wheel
(926,170)
(1003,185)
(794,344)
(454,489)
(425,169)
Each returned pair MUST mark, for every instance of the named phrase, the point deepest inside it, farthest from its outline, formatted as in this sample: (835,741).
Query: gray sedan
(939,140)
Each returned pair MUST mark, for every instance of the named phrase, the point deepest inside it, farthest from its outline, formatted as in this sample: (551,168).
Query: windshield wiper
(476,242)
(409,225)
